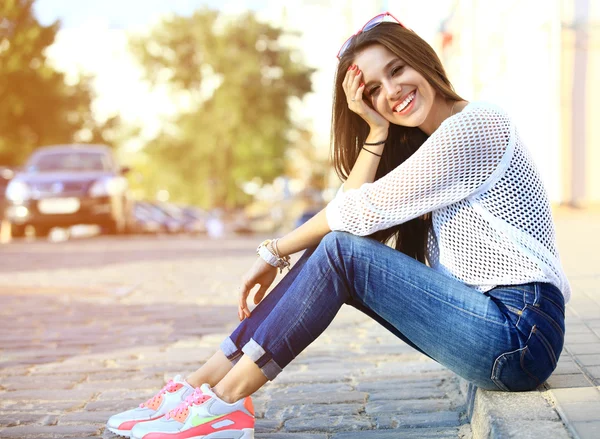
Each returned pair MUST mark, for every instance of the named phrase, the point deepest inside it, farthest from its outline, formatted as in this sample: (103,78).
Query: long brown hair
(349,131)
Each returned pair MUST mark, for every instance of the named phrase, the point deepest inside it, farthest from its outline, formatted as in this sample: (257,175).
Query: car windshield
(68,161)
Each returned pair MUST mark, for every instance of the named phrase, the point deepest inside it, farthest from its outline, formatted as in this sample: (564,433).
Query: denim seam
(559,307)
(533,330)
(253,350)
(522,309)
(547,345)
(494,376)
(256,352)
(514,287)
(233,356)
(547,317)
(436,298)
(271,369)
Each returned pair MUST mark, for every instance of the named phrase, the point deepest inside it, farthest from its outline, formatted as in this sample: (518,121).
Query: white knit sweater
(492,223)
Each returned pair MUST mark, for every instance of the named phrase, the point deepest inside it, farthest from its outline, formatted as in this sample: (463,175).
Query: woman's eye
(373,90)
(396,70)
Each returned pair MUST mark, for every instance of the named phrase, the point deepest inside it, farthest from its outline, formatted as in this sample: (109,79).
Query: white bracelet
(268,257)
(273,260)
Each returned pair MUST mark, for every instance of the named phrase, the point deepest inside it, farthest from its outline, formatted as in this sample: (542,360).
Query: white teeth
(405,103)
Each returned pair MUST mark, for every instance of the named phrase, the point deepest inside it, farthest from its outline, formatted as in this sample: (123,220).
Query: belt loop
(536,292)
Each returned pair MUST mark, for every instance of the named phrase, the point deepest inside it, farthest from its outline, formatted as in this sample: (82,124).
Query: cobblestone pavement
(91,327)
(574,388)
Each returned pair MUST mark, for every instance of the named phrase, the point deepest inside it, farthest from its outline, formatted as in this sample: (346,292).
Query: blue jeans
(508,338)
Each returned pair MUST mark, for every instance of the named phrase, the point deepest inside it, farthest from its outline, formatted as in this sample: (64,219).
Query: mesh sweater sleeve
(464,156)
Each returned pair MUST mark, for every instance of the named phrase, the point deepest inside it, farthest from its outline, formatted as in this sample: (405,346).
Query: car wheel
(17,230)
(115,227)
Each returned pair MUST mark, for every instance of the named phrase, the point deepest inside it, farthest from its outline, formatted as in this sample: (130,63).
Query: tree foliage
(237,79)
(37,107)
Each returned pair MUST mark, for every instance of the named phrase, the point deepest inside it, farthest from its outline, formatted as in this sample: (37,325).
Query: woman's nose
(394,91)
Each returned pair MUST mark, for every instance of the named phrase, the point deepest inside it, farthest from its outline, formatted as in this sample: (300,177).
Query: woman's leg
(211,372)
(454,324)
(219,365)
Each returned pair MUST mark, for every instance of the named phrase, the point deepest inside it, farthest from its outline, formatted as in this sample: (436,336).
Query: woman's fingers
(353,87)
(243,310)
(359,92)
(350,82)
(260,294)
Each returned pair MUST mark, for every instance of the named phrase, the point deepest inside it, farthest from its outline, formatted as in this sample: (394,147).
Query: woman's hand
(354,87)
(261,274)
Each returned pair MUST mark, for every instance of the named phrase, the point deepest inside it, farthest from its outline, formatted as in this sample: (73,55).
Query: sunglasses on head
(373,22)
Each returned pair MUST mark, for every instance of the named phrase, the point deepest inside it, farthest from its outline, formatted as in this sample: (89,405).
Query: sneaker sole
(246,433)
(123,433)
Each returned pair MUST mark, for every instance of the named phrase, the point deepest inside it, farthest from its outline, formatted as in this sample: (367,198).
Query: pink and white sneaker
(169,397)
(203,415)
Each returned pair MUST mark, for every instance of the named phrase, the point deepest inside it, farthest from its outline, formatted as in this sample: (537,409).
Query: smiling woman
(474,281)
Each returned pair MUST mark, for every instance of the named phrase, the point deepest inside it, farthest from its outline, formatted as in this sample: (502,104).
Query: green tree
(37,107)
(237,79)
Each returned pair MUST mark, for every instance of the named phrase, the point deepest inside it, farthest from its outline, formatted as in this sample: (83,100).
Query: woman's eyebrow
(387,66)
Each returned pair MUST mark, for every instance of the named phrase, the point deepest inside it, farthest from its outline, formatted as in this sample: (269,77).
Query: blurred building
(537,58)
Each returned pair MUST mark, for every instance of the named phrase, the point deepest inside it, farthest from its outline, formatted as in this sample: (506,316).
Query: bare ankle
(225,396)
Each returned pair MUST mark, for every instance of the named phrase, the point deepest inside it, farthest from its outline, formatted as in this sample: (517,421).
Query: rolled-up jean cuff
(231,351)
(263,359)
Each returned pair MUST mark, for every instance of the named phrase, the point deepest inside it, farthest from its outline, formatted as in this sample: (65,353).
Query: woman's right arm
(261,273)
(307,235)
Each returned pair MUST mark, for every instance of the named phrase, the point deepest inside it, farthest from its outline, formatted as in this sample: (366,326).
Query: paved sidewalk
(92,327)
(575,385)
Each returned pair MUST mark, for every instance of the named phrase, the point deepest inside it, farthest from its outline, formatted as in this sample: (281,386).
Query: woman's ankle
(224,395)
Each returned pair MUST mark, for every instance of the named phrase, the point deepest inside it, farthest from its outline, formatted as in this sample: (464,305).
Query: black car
(64,185)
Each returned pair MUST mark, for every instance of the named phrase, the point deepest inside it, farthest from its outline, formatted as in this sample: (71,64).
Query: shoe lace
(195,398)
(169,387)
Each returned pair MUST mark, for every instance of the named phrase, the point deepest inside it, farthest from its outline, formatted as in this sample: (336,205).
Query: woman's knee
(336,240)
(340,248)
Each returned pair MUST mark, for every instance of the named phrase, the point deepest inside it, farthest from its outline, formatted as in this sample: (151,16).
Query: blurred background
(213,117)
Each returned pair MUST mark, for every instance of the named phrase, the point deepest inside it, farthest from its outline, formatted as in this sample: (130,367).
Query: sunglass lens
(374,22)
(344,47)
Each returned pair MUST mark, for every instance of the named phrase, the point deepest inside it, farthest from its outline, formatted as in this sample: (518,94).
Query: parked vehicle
(64,185)
(144,221)
(193,218)
(168,222)
(5,175)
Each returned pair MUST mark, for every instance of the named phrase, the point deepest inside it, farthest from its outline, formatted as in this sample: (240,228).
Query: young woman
(473,279)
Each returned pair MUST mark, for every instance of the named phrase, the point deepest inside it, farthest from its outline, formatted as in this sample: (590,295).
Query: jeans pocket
(525,368)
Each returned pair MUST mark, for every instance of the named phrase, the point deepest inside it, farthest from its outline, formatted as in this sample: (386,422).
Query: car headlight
(17,191)
(105,187)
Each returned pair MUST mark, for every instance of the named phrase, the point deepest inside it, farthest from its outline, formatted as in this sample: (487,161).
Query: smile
(405,103)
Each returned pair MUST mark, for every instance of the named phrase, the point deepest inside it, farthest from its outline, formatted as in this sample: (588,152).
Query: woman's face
(395,90)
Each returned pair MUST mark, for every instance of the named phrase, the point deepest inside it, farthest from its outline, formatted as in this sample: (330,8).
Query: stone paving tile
(50,432)
(15,419)
(587,429)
